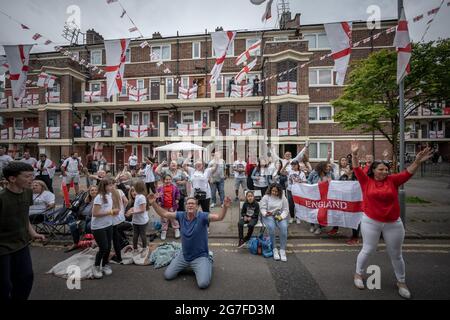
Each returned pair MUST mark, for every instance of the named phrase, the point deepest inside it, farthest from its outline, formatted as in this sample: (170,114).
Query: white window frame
(76,54)
(248,45)
(101,57)
(226,80)
(252,110)
(185,80)
(281,38)
(95,83)
(194,57)
(316,36)
(316,70)
(219,89)
(142,118)
(96,114)
(128,55)
(207,117)
(140,81)
(317,107)
(144,147)
(318,143)
(167,86)
(187,112)
(124,85)
(134,150)
(133,114)
(161,52)
(19,119)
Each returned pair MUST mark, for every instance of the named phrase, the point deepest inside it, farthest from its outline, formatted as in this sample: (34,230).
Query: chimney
(156,35)
(219,29)
(93,37)
(287,23)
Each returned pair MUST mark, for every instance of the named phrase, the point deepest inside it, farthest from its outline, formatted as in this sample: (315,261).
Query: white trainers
(177,233)
(276,255)
(298,221)
(317,231)
(312,229)
(97,272)
(291,220)
(359,283)
(213,205)
(163,235)
(107,271)
(283,255)
(403,291)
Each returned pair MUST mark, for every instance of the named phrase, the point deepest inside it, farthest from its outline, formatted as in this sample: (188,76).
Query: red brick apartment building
(61,123)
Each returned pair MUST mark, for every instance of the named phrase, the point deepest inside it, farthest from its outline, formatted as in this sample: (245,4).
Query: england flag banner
(221,41)
(138,131)
(187,94)
(33,133)
(116,51)
(340,38)
(286,87)
(4,134)
(52,132)
(333,203)
(287,128)
(20,134)
(241,129)
(238,91)
(92,96)
(247,54)
(186,130)
(92,132)
(138,95)
(18,58)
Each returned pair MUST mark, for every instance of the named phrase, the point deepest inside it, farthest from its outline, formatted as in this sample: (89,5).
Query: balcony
(427,136)
(13,135)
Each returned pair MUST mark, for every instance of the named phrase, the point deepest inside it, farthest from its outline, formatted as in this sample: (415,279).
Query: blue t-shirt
(194,235)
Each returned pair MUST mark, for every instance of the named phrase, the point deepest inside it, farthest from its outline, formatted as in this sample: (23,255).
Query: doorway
(154,90)
(119,118)
(119,159)
(201,93)
(224,122)
(164,118)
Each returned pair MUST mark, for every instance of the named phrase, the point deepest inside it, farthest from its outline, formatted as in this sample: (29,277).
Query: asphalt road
(316,269)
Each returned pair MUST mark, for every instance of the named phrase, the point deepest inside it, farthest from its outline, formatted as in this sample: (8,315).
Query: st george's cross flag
(116,51)
(340,38)
(221,41)
(247,54)
(330,203)
(18,58)
(403,44)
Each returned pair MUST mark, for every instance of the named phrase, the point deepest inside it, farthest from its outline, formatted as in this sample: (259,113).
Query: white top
(239,165)
(4,160)
(72,164)
(121,216)
(295,177)
(41,202)
(31,161)
(98,223)
(133,160)
(48,169)
(298,158)
(149,175)
(139,218)
(271,204)
(200,180)
(260,179)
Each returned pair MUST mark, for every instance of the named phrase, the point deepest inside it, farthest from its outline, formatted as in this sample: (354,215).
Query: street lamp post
(402,133)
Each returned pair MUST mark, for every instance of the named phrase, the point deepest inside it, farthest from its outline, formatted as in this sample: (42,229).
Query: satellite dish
(257,2)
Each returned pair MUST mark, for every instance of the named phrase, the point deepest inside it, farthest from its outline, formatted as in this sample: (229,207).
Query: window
(196,50)
(249,43)
(53,119)
(128,55)
(95,86)
(320,77)
(219,84)
(96,57)
(76,55)
(187,117)
(134,149)
(285,66)
(135,119)
(55,88)
(320,113)
(160,53)
(227,84)
(146,118)
(18,123)
(319,150)
(145,151)
(96,119)
(411,149)
(287,112)
(124,91)
(281,38)
(317,40)
(140,84)
(185,82)
(205,118)
(2,86)
(169,86)
(230,51)
(253,115)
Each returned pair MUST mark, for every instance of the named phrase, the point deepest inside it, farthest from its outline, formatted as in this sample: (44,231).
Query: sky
(47,17)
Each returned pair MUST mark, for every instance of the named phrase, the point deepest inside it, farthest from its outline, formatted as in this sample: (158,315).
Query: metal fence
(434,169)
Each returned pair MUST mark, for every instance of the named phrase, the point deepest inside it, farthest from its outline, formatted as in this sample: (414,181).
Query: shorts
(133,167)
(75,177)
(240,181)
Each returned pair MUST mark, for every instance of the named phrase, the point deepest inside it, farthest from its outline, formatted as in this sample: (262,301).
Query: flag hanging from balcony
(186,130)
(3,103)
(403,44)
(138,131)
(33,133)
(241,129)
(4,134)
(288,128)
(52,97)
(340,38)
(286,87)
(20,134)
(244,72)
(115,60)
(138,94)
(251,51)
(334,203)
(52,132)
(238,91)
(221,41)
(92,132)
(92,96)
(18,58)
(46,80)
(187,94)
(4,67)
(33,99)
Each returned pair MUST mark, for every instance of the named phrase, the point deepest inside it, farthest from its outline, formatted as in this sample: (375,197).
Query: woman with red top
(168,198)
(382,214)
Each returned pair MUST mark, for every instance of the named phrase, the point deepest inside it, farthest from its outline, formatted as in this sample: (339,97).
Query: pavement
(423,221)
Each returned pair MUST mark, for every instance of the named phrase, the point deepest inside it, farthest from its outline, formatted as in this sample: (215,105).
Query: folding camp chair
(56,222)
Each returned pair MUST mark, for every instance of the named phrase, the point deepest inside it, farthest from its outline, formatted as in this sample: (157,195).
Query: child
(168,198)
(249,216)
(140,215)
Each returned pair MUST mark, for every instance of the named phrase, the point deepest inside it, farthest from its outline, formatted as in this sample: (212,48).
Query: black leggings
(119,238)
(150,186)
(204,204)
(103,237)
(251,226)
(291,204)
(16,275)
(139,231)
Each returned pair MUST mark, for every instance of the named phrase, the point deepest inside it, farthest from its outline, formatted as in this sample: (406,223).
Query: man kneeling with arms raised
(194,239)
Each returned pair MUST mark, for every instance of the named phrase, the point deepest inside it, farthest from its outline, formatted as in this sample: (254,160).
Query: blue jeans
(218,186)
(78,229)
(202,268)
(270,223)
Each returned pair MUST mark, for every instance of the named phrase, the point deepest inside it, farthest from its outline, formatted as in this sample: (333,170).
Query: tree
(371,99)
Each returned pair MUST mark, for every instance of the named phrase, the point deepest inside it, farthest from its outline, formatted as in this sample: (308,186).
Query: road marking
(343,250)
(307,245)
